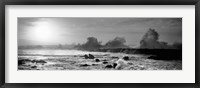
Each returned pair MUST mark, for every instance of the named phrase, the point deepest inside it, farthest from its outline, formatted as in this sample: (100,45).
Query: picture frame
(99,2)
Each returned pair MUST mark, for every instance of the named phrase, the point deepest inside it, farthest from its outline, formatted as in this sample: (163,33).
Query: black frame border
(3,3)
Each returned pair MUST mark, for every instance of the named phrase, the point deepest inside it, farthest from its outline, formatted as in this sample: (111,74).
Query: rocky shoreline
(97,62)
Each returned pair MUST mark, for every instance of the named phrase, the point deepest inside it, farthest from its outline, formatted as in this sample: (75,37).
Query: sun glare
(42,31)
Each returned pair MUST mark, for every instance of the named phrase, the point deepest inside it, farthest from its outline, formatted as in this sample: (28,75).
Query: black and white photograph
(99,43)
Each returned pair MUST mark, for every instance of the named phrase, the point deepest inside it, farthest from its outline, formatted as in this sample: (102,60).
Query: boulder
(108,66)
(114,57)
(114,65)
(97,60)
(126,58)
(91,56)
(33,61)
(34,67)
(21,62)
(41,61)
(105,62)
(84,65)
(86,56)
(94,64)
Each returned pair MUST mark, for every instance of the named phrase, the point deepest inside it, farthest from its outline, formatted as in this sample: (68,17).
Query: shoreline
(78,62)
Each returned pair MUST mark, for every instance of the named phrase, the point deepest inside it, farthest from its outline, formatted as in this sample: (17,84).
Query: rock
(38,61)
(94,64)
(108,66)
(91,56)
(105,62)
(41,61)
(97,60)
(23,61)
(86,56)
(114,65)
(126,58)
(34,67)
(33,61)
(114,57)
(84,65)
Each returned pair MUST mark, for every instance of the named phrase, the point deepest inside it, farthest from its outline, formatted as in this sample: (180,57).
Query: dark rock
(105,62)
(38,61)
(41,61)
(97,60)
(114,57)
(94,64)
(84,65)
(108,66)
(86,56)
(23,61)
(114,65)
(126,58)
(91,56)
(33,61)
(33,66)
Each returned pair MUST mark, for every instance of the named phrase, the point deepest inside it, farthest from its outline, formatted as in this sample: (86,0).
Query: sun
(42,31)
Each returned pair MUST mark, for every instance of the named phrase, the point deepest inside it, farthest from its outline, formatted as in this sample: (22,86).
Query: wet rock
(23,61)
(105,62)
(126,58)
(91,56)
(114,57)
(33,61)
(97,60)
(41,61)
(34,67)
(114,65)
(38,61)
(86,56)
(94,64)
(108,66)
(84,65)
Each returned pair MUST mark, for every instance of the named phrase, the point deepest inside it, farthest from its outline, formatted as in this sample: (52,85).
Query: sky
(68,30)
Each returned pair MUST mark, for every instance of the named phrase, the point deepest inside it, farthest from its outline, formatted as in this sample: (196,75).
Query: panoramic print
(99,43)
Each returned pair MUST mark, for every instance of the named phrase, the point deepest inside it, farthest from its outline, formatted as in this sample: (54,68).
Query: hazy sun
(42,31)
